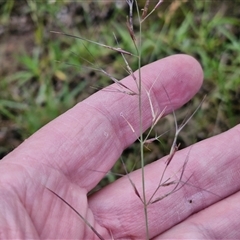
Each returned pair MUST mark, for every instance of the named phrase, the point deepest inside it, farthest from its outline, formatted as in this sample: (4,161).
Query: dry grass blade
(131,92)
(156,138)
(165,183)
(130,20)
(99,69)
(176,188)
(130,180)
(99,44)
(172,153)
(84,220)
(121,85)
(130,30)
(129,124)
(145,9)
(184,123)
(156,6)
(129,69)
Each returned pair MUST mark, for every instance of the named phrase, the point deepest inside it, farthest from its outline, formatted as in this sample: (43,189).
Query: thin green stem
(141,124)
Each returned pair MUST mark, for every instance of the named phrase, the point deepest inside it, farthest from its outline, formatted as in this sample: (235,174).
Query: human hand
(92,135)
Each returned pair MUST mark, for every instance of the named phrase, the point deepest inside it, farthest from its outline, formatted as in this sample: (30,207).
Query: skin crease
(63,155)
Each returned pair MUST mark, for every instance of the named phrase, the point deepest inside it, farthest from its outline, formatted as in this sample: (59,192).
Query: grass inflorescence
(55,72)
(137,39)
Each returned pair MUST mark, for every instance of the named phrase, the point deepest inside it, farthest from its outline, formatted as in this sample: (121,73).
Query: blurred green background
(43,74)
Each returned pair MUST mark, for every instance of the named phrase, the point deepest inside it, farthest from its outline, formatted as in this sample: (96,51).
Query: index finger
(93,134)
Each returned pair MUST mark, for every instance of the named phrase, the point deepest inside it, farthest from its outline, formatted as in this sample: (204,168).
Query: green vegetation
(43,74)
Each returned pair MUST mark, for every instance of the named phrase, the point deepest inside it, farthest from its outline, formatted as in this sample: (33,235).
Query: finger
(220,221)
(212,174)
(92,135)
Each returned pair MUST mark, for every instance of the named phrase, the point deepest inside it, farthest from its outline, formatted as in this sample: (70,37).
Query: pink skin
(63,155)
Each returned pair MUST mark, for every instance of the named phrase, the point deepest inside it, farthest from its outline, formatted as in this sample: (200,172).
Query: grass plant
(39,88)
(141,16)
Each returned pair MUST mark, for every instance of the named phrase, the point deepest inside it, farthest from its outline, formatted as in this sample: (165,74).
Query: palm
(63,155)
